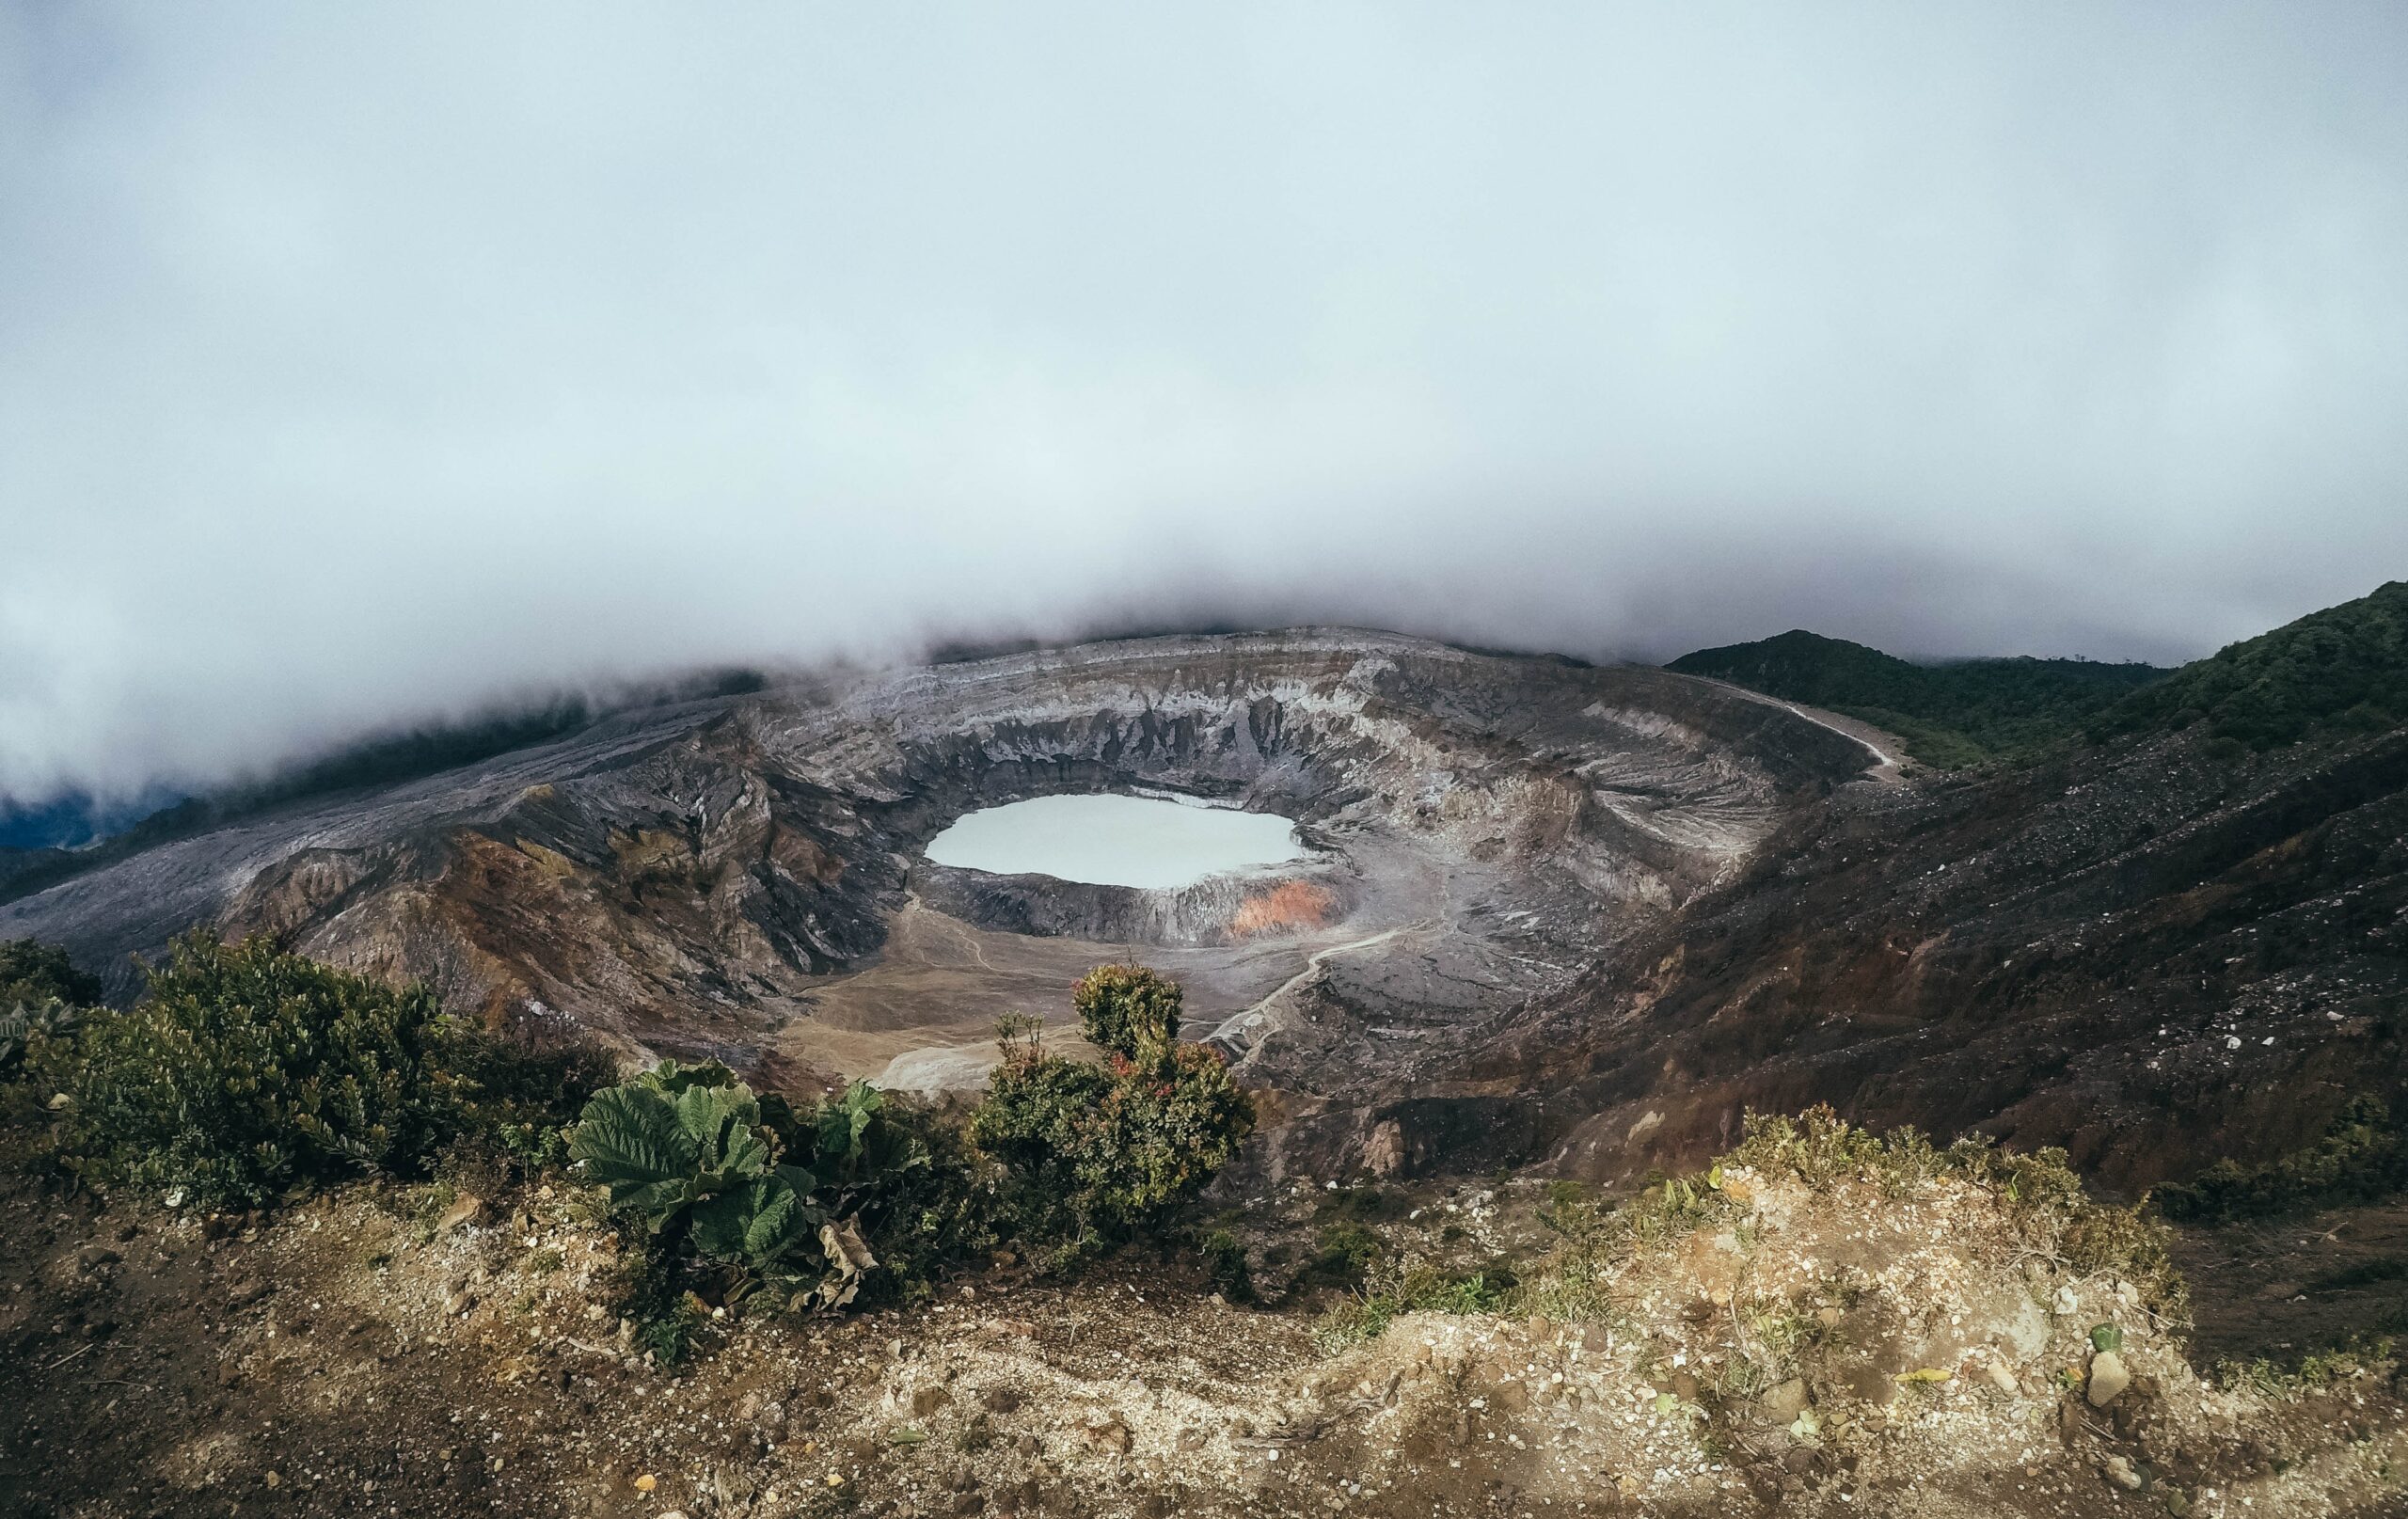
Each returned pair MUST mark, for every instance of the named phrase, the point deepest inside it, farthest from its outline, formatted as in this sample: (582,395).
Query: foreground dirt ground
(409,1351)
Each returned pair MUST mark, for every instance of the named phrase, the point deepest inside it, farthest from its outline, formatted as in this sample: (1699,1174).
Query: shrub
(1125,1008)
(1096,1154)
(1402,1289)
(29,1023)
(1344,1251)
(785,1197)
(245,1072)
(2361,1157)
(1224,1259)
(2044,1201)
(33,973)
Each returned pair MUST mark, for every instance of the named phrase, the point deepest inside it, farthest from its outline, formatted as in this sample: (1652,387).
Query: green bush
(1415,1288)
(795,1201)
(28,1023)
(245,1072)
(33,973)
(2361,1157)
(1123,1010)
(1225,1259)
(1097,1154)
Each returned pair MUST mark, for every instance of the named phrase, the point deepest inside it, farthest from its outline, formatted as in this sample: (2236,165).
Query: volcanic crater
(745,876)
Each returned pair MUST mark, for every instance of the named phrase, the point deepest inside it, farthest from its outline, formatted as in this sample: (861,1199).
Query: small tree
(1126,1009)
(1100,1153)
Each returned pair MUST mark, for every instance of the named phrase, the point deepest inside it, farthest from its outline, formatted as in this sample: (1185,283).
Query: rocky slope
(741,875)
(1554,915)
(1861,1345)
(2151,954)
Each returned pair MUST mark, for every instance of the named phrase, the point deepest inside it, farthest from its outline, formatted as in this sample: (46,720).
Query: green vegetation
(2320,1368)
(1399,1288)
(2340,670)
(1097,1154)
(2053,1215)
(2361,1156)
(714,1173)
(41,998)
(1961,713)
(1344,1252)
(2343,669)
(33,973)
(742,1198)
(1224,1259)
(246,1073)
(28,1023)
(2044,1202)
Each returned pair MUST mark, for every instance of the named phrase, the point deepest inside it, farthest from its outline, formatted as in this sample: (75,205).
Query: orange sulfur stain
(1285,908)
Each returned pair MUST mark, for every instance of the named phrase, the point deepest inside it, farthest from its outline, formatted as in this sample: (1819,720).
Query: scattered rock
(1783,1403)
(2108,1378)
(2003,1378)
(2119,1471)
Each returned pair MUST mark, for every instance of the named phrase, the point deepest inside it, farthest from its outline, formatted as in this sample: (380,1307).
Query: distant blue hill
(73,820)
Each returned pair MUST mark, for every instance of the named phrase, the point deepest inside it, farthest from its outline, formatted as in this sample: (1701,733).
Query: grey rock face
(741,876)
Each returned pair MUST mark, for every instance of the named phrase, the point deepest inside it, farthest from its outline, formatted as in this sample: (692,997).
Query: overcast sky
(360,363)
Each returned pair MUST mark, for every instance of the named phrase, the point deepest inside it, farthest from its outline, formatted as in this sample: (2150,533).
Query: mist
(362,366)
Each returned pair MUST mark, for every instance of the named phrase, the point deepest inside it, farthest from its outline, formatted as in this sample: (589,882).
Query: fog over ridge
(361,367)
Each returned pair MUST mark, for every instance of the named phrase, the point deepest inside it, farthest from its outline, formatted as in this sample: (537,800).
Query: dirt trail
(1240,1031)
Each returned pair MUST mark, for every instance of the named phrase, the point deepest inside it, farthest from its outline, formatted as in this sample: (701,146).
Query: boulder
(2108,1378)
(1783,1403)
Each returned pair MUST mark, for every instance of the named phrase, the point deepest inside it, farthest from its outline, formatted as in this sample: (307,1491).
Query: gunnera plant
(1096,1154)
(245,1072)
(788,1200)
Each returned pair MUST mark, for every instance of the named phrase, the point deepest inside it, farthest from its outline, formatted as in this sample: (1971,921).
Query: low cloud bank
(359,370)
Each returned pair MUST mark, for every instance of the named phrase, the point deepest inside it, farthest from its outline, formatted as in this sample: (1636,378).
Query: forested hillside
(1955,714)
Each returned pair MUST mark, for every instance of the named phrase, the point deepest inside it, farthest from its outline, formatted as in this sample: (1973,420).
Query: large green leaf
(844,1120)
(757,1224)
(721,1122)
(631,1142)
(778,1222)
(672,1078)
(717,1223)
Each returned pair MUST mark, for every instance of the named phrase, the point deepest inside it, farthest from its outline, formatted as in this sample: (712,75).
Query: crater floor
(746,877)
